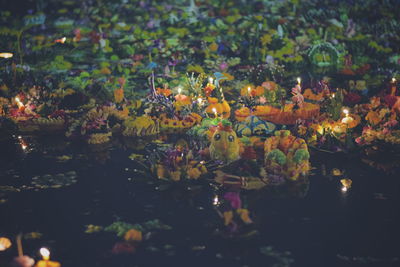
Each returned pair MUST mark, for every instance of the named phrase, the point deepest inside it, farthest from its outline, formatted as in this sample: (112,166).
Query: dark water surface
(318,223)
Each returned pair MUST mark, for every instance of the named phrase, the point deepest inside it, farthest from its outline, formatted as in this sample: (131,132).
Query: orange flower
(259,91)
(133,235)
(373,117)
(164,91)
(118,95)
(208,89)
(269,85)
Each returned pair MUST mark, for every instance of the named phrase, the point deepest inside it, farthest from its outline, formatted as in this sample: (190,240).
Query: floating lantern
(6,55)
(46,259)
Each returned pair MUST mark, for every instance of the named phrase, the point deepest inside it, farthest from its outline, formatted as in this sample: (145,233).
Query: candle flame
(215,201)
(299,80)
(344,189)
(346,111)
(393,79)
(45,253)
(61,40)
(214,110)
(6,55)
(19,103)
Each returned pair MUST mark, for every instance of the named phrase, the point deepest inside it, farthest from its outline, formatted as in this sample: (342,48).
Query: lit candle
(248,91)
(214,110)
(200,101)
(347,119)
(299,81)
(393,91)
(21,106)
(215,201)
(46,259)
(346,184)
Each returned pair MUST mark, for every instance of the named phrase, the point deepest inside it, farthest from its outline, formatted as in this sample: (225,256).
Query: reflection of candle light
(6,55)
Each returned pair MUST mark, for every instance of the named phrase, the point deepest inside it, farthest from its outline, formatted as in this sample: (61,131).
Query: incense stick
(19,245)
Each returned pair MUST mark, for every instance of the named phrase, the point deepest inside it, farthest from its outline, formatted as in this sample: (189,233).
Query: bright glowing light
(6,55)
(344,189)
(45,253)
(179,90)
(298,80)
(333,95)
(346,111)
(215,201)
(19,103)
(210,80)
(393,80)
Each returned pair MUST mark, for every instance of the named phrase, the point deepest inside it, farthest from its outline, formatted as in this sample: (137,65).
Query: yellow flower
(118,95)
(244,215)
(228,216)
(373,117)
(133,235)
(213,47)
(160,171)
(175,175)
(194,173)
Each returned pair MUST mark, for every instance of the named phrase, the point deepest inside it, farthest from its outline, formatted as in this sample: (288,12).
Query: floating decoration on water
(224,143)
(252,125)
(286,116)
(286,157)
(46,262)
(140,126)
